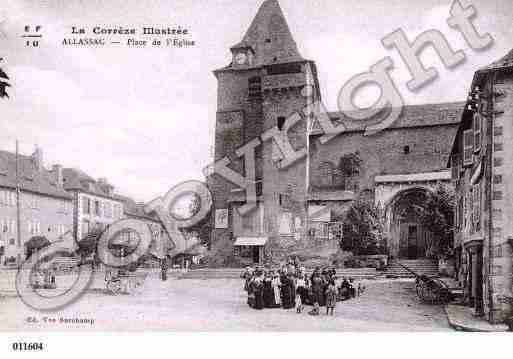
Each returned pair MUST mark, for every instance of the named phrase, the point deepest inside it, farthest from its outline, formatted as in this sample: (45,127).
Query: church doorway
(409,238)
(414,239)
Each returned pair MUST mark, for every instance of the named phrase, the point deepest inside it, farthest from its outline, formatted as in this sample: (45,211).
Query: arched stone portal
(408,238)
(401,197)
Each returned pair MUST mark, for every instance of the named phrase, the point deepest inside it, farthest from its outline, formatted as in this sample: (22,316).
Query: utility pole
(18,199)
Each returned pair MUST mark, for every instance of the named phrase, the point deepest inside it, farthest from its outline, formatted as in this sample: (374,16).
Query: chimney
(57,173)
(37,158)
(106,186)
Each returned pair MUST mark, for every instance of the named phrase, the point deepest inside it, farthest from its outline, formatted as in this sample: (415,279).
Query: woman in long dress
(258,290)
(250,290)
(268,291)
(288,294)
(302,288)
(317,284)
(276,284)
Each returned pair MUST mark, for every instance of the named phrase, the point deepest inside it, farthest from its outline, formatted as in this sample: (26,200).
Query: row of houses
(482,163)
(54,202)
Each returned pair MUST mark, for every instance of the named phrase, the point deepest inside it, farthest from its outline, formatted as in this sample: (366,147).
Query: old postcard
(259,165)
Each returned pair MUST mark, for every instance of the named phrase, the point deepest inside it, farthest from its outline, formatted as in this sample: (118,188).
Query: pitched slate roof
(135,209)
(78,180)
(505,62)
(270,38)
(412,116)
(30,179)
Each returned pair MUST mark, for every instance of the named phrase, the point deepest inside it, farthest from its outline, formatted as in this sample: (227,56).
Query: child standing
(331,298)
(299,304)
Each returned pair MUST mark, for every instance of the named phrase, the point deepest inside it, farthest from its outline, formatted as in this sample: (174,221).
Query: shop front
(250,249)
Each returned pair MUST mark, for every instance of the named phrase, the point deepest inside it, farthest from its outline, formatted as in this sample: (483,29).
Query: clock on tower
(241,58)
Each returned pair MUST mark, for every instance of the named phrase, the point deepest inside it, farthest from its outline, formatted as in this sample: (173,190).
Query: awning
(319,213)
(250,241)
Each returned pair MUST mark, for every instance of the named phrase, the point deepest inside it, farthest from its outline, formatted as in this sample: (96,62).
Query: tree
(437,214)
(3,83)
(363,229)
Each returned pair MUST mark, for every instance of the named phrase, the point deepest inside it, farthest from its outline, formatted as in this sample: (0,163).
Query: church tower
(263,88)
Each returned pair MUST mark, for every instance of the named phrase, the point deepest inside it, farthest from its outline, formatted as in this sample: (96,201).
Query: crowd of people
(291,287)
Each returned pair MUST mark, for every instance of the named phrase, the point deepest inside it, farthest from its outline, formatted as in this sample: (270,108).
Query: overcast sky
(144,118)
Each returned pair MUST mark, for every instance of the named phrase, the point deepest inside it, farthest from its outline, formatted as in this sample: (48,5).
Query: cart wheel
(114,286)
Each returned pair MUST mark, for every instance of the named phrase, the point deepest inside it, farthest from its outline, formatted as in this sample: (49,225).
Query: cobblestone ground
(219,305)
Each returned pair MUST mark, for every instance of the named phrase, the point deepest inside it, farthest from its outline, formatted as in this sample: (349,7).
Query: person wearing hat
(246,275)
(317,285)
(248,286)
(331,298)
(276,283)
(288,290)
(271,288)
(258,289)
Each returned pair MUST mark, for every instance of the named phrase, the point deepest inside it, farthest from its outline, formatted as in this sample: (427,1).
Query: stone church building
(304,200)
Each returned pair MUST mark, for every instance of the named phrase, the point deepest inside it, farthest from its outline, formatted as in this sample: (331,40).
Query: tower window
(255,87)
(267,41)
(407,150)
(281,123)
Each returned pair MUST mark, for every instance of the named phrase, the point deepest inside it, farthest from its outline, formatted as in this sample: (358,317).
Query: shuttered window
(477,207)
(477,132)
(456,167)
(468,147)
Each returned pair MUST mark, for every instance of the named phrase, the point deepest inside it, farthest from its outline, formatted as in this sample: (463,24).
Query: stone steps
(427,267)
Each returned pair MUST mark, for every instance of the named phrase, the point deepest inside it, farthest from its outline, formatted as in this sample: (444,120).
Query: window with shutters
(85,228)
(455,167)
(326,172)
(464,212)
(477,207)
(456,217)
(86,205)
(477,132)
(468,147)
(469,210)
(460,214)
(97,208)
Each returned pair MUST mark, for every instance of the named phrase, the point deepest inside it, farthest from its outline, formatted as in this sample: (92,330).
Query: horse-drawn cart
(124,282)
(429,289)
